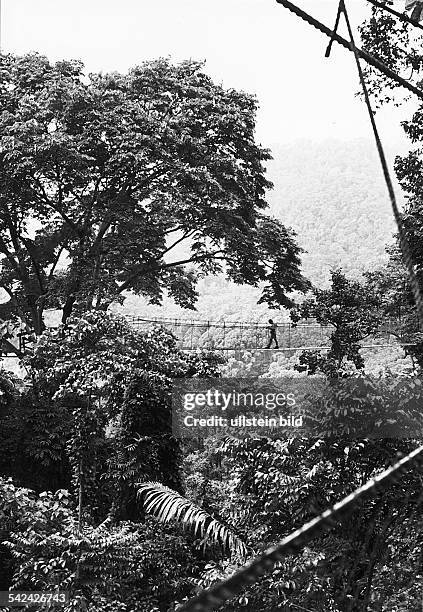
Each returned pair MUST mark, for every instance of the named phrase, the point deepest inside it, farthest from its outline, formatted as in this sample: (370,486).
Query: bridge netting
(223,335)
(193,334)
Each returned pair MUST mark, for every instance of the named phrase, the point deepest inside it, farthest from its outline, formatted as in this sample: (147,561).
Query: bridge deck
(225,337)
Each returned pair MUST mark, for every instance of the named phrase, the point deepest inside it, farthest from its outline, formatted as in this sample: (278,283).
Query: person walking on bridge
(272,334)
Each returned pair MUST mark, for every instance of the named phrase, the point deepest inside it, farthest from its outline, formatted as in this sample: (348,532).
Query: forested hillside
(218,300)
(333,195)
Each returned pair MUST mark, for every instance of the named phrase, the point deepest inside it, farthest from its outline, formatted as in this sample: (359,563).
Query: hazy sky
(254,45)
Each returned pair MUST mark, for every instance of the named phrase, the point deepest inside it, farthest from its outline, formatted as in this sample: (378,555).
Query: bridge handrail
(221,324)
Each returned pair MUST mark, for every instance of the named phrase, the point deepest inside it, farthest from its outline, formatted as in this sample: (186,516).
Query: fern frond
(167,505)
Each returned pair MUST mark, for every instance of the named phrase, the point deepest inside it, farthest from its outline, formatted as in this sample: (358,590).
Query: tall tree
(397,302)
(351,308)
(107,178)
(99,402)
(399,46)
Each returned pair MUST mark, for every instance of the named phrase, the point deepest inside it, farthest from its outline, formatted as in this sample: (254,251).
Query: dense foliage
(352,310)
(92,421)
(104,566)
(103,178)
(91,427)
(397,44)
(113,182)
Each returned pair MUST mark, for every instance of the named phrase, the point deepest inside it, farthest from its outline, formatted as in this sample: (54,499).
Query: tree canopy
(398,45)
(102,179)
(131,182)
(352,309)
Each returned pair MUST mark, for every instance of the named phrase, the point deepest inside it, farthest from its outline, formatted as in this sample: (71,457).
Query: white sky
(254,45)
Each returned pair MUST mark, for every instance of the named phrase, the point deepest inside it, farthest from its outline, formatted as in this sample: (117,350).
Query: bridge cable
(370,59)
(404,244)
(358,53)
(249,574)
(217,594)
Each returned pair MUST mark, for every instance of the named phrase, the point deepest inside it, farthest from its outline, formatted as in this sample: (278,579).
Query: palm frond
(167,505)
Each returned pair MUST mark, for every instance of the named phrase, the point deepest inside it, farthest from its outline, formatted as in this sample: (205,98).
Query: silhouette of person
(272,334)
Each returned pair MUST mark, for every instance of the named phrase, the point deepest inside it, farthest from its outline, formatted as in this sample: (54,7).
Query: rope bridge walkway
(230,336)
(221,336)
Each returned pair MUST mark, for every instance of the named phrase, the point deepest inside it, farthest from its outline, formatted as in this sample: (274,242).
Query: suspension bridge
(234,336)
(228,337)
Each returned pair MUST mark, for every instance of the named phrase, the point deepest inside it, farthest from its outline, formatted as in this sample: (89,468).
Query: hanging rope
(405,247)
(295,542)
(358,53)
(216,595)
(362,54)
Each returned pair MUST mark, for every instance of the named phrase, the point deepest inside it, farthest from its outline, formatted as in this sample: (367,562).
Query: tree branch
(56,208)
(11,259)
(126,285)
(34,264)
(184,237)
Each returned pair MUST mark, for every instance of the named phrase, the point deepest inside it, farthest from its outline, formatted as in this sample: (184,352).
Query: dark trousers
(273,338)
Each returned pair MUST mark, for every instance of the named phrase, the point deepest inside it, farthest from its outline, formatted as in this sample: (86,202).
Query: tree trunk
(68,307)
(36,310)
